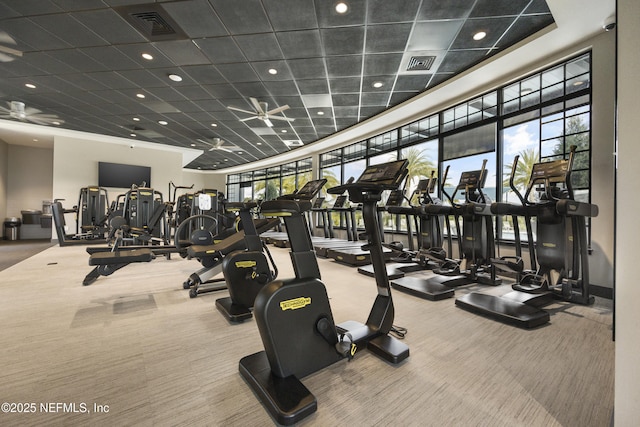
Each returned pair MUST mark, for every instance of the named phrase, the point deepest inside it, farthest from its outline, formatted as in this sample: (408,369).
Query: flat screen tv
(117,175)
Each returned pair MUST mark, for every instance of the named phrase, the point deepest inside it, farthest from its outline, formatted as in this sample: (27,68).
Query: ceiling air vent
(420,63)
(152,21)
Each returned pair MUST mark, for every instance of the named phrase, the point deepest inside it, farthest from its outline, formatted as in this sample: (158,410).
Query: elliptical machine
(294,315)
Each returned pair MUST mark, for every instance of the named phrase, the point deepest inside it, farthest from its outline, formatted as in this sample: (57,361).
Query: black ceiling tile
(247,17)
(537,6)
(459,60)
(309,68)
(284,88)
(291,101)
(74,5)
(344,66)
(188,108)
(110,57)
(484,8)
(135,50)
(299,114)
(434,35)
(196,18)
(237,72)
(343,41)
(259,47)
(375,99)
(166,94)
(411,82)
(106,79)
(397,11)
(57,84)
(380,64)
(68,29)
(20,68)
(371,111)
(345,122)
(193,92)
(313,86)
(444,9)
(6,11)
(345,85)
(31,36)
(110,26)
(300,44)
(47,63)
(387,37)
(216,107)
(281,12)
(253,89)
(182,52)
(204,118)
(35,7)
(522,28)
(143,78)
(79,61)
(351,99)
(90,81)
(494,27)
(204,74)
(369,83)
(220,50)
(345,112)
(262,70)
(328,17)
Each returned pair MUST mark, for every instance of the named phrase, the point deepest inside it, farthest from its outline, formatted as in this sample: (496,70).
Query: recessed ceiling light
(35,139)
(193,145)
(133,135)
(163,122)
(147,56)
(378,84)
(140,95)
(321,113)
(578,83)
(226,160)
(342,7)
(30,85)
(259,143)
(273,71)
(239,152)
(214,125)
(175,77)
(479,35)
(136,119)
(283,131)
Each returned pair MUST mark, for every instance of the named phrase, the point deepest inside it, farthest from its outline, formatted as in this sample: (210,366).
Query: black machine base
(388,348)
(504,309)
(423,288)
(232,312)
(395,270)
(286,399)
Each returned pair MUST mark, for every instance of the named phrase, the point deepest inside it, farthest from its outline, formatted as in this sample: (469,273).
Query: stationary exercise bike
(294,315)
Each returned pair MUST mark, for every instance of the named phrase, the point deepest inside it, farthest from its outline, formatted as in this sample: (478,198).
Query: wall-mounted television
(117,175)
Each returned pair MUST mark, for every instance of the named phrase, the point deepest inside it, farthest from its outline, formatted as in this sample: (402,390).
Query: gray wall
(4,176)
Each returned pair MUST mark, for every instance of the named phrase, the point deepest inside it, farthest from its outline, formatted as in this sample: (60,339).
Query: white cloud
(519,139)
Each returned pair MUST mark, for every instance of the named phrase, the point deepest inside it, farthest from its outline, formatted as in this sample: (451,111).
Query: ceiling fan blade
(6,58)
(225,149)
(6,38)
(10,51)
(30,111)
(287,119)
(278,110)
(249,118)
(241,110)
(267,122)
(257,106)
(41,121)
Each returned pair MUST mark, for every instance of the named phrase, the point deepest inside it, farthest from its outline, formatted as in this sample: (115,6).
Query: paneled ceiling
(333,70)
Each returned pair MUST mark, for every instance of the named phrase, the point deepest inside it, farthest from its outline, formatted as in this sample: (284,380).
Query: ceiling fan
(217,144)
(18,111)
(8,54)
(262,112)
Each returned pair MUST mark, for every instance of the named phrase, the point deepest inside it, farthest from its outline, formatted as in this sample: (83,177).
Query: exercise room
(296,212)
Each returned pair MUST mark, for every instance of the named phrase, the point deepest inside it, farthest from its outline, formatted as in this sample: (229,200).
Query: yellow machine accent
(548,245)
(246,264)
(296,303)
